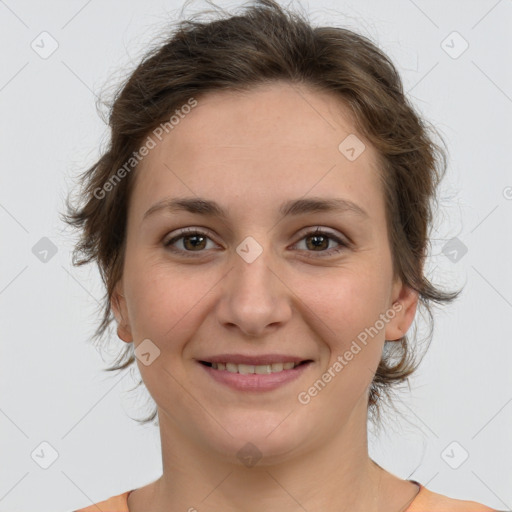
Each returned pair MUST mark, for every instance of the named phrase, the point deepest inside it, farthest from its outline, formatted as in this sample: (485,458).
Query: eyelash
(192,231)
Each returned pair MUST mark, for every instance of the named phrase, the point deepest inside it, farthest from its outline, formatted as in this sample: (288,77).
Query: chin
(260,437)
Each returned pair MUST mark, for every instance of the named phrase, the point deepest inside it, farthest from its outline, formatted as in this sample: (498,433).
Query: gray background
(53,389)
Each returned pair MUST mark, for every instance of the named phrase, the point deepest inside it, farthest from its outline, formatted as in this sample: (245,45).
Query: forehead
(277,141)
(278,116)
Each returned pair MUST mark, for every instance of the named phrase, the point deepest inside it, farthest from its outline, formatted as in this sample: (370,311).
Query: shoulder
(428,501)
(117,503)
(425,501)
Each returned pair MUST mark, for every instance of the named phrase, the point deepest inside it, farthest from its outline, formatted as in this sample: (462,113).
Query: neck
(328,474)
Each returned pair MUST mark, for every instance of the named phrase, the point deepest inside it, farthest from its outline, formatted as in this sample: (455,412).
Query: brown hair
(264,44)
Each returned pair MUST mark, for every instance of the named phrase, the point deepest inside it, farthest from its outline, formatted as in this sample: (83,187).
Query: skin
(250,152)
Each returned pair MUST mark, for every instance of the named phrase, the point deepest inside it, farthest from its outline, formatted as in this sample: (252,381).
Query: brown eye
(192,241)
(318,241)
(196,241)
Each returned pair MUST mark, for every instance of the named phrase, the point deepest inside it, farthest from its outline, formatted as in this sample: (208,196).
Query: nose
(255,299)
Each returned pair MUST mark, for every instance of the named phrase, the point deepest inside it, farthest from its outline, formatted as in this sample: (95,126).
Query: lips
(254,373)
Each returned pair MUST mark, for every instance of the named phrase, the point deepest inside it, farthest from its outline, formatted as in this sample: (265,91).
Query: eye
(193,240)
(320,241)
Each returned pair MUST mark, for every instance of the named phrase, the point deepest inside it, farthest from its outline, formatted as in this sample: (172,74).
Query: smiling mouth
(260,369)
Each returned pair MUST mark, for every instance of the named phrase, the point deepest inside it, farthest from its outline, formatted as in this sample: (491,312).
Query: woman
(260,221)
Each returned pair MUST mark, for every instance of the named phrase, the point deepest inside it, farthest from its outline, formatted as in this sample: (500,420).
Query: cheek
(163,299)
(349,305)
(347,300)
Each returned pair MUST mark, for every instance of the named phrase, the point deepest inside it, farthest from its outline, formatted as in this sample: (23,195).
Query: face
(259,282)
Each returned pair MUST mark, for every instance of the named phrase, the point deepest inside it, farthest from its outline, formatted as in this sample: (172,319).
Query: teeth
(261,369)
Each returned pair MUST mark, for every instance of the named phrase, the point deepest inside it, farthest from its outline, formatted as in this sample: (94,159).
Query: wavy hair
(262,44)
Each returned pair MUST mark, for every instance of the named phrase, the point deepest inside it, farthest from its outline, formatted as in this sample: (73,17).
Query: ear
(118,305)
(404,304)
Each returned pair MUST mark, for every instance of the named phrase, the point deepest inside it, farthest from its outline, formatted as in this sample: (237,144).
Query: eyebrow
(210,208)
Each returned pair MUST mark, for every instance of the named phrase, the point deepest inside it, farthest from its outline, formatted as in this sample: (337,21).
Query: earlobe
(118,306)
(404,306)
